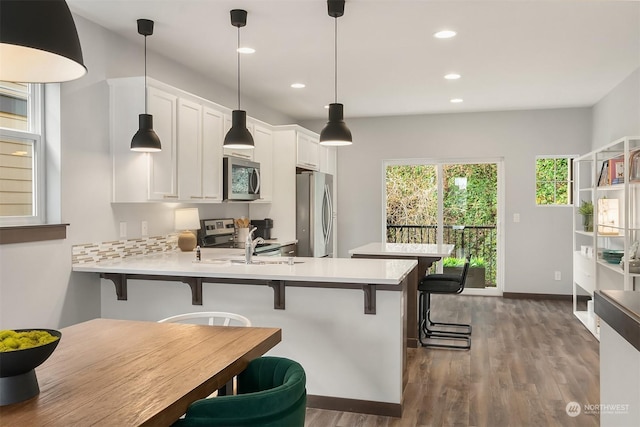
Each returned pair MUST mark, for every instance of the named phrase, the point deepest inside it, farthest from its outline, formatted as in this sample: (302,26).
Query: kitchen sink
(266,262)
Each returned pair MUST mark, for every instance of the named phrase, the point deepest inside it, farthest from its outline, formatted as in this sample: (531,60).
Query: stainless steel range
(219,233)
(216,233)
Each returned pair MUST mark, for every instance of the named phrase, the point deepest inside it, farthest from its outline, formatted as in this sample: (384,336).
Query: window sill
(32,233)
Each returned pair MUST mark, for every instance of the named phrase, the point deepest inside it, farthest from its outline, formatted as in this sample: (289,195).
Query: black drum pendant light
(336,131)
(238,136)
(145,140)
(39,42)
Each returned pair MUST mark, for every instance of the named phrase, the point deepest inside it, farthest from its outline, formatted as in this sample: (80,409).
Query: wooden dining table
(133,373)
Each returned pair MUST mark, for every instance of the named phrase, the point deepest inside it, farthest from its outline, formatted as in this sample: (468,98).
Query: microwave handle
(256,189)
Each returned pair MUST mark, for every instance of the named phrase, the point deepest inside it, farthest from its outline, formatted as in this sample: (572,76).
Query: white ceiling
(511,54)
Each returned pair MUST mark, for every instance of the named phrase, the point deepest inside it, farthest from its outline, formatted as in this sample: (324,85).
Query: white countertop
(217,263)
(404,249)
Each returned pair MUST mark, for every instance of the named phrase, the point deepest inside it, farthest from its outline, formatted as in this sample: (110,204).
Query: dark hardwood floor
(528,360)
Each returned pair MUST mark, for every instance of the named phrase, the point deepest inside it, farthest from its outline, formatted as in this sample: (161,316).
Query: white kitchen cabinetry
(263,154)
(212,137)
(235,152)
(615,224)
(308,151)
(199,152)
(163,174)
(328,159)
(189,150)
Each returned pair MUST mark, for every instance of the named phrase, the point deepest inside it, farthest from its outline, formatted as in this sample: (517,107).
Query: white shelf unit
(613,231)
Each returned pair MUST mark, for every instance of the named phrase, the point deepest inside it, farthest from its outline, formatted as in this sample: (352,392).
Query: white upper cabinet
(212,137)
(163,176)
(308,154)
(235,152)
(328,159)
(189,150)
(263,154)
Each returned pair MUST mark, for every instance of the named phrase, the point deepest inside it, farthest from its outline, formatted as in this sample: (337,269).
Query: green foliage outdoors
(553,181)
(459,262)
(469,199)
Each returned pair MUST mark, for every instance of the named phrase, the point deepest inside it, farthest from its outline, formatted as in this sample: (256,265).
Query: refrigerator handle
(329,216)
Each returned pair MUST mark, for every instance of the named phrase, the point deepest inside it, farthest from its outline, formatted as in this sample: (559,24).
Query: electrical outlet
(557,275)
(144,229)
(516,217)
(123,230)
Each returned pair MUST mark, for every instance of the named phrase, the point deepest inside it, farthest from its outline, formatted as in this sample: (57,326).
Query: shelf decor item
(616,170)
(608,217)
(586,210)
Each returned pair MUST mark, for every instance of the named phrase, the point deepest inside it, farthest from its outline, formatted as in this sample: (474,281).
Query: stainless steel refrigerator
(314,214)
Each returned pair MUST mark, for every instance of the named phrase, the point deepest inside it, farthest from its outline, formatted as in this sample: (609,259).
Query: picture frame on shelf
(616,170)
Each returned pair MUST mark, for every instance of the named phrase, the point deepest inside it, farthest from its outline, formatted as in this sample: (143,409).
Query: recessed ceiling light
(246,50)
(298,85)
(456,100)
(452,76)
(445,34)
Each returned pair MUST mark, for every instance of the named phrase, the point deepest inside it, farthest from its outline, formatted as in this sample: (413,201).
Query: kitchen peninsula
(342,319)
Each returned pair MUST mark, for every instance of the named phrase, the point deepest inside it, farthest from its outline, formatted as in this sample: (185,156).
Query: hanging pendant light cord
(238,53)
(145,74)
(335,51)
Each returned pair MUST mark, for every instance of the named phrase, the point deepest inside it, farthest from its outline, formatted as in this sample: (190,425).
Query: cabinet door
(245,154)
(163,165)
(189,130)
(263,154)
(212,137)
(327,159)
(307,152)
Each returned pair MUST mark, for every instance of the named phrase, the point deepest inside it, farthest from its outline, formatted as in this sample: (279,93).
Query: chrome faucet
(250,245)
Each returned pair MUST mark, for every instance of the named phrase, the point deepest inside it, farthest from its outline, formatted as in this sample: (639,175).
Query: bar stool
(442,284)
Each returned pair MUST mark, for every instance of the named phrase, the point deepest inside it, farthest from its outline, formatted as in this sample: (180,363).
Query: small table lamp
(187,220)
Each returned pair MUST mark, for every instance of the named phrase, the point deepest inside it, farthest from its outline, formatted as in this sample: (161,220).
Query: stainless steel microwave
(241,179)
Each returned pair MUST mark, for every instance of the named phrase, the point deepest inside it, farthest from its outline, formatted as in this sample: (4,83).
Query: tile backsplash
(96,252)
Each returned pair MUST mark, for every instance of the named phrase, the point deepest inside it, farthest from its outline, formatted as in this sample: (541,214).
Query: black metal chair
(442,284)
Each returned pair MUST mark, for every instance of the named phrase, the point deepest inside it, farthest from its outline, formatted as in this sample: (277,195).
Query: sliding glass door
(431,201)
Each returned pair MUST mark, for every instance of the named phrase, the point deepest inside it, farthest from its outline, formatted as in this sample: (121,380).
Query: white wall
(618,114)
(536,246)
(36,284)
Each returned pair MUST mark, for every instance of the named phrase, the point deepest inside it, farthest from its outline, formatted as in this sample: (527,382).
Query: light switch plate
(144,229)
(123,230)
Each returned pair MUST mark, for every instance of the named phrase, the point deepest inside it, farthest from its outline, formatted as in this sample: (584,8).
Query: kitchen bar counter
(353,358)
(425,253)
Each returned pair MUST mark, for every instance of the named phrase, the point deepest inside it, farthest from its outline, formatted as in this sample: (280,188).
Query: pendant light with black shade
(39,42)
(238,136)
(336,131)
(145,140)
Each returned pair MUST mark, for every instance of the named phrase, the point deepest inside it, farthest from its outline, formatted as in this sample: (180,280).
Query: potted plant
(477,273)
(586,210)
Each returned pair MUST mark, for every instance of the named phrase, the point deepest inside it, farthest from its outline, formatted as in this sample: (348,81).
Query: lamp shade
(39,42)
(187,219)
(238,136)
(336,131)
(145,140)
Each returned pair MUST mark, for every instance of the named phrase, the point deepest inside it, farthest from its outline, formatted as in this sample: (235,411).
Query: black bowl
(18,362)
(18,380)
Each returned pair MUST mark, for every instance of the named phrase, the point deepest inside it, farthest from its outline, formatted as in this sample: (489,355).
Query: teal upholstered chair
(271,392)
